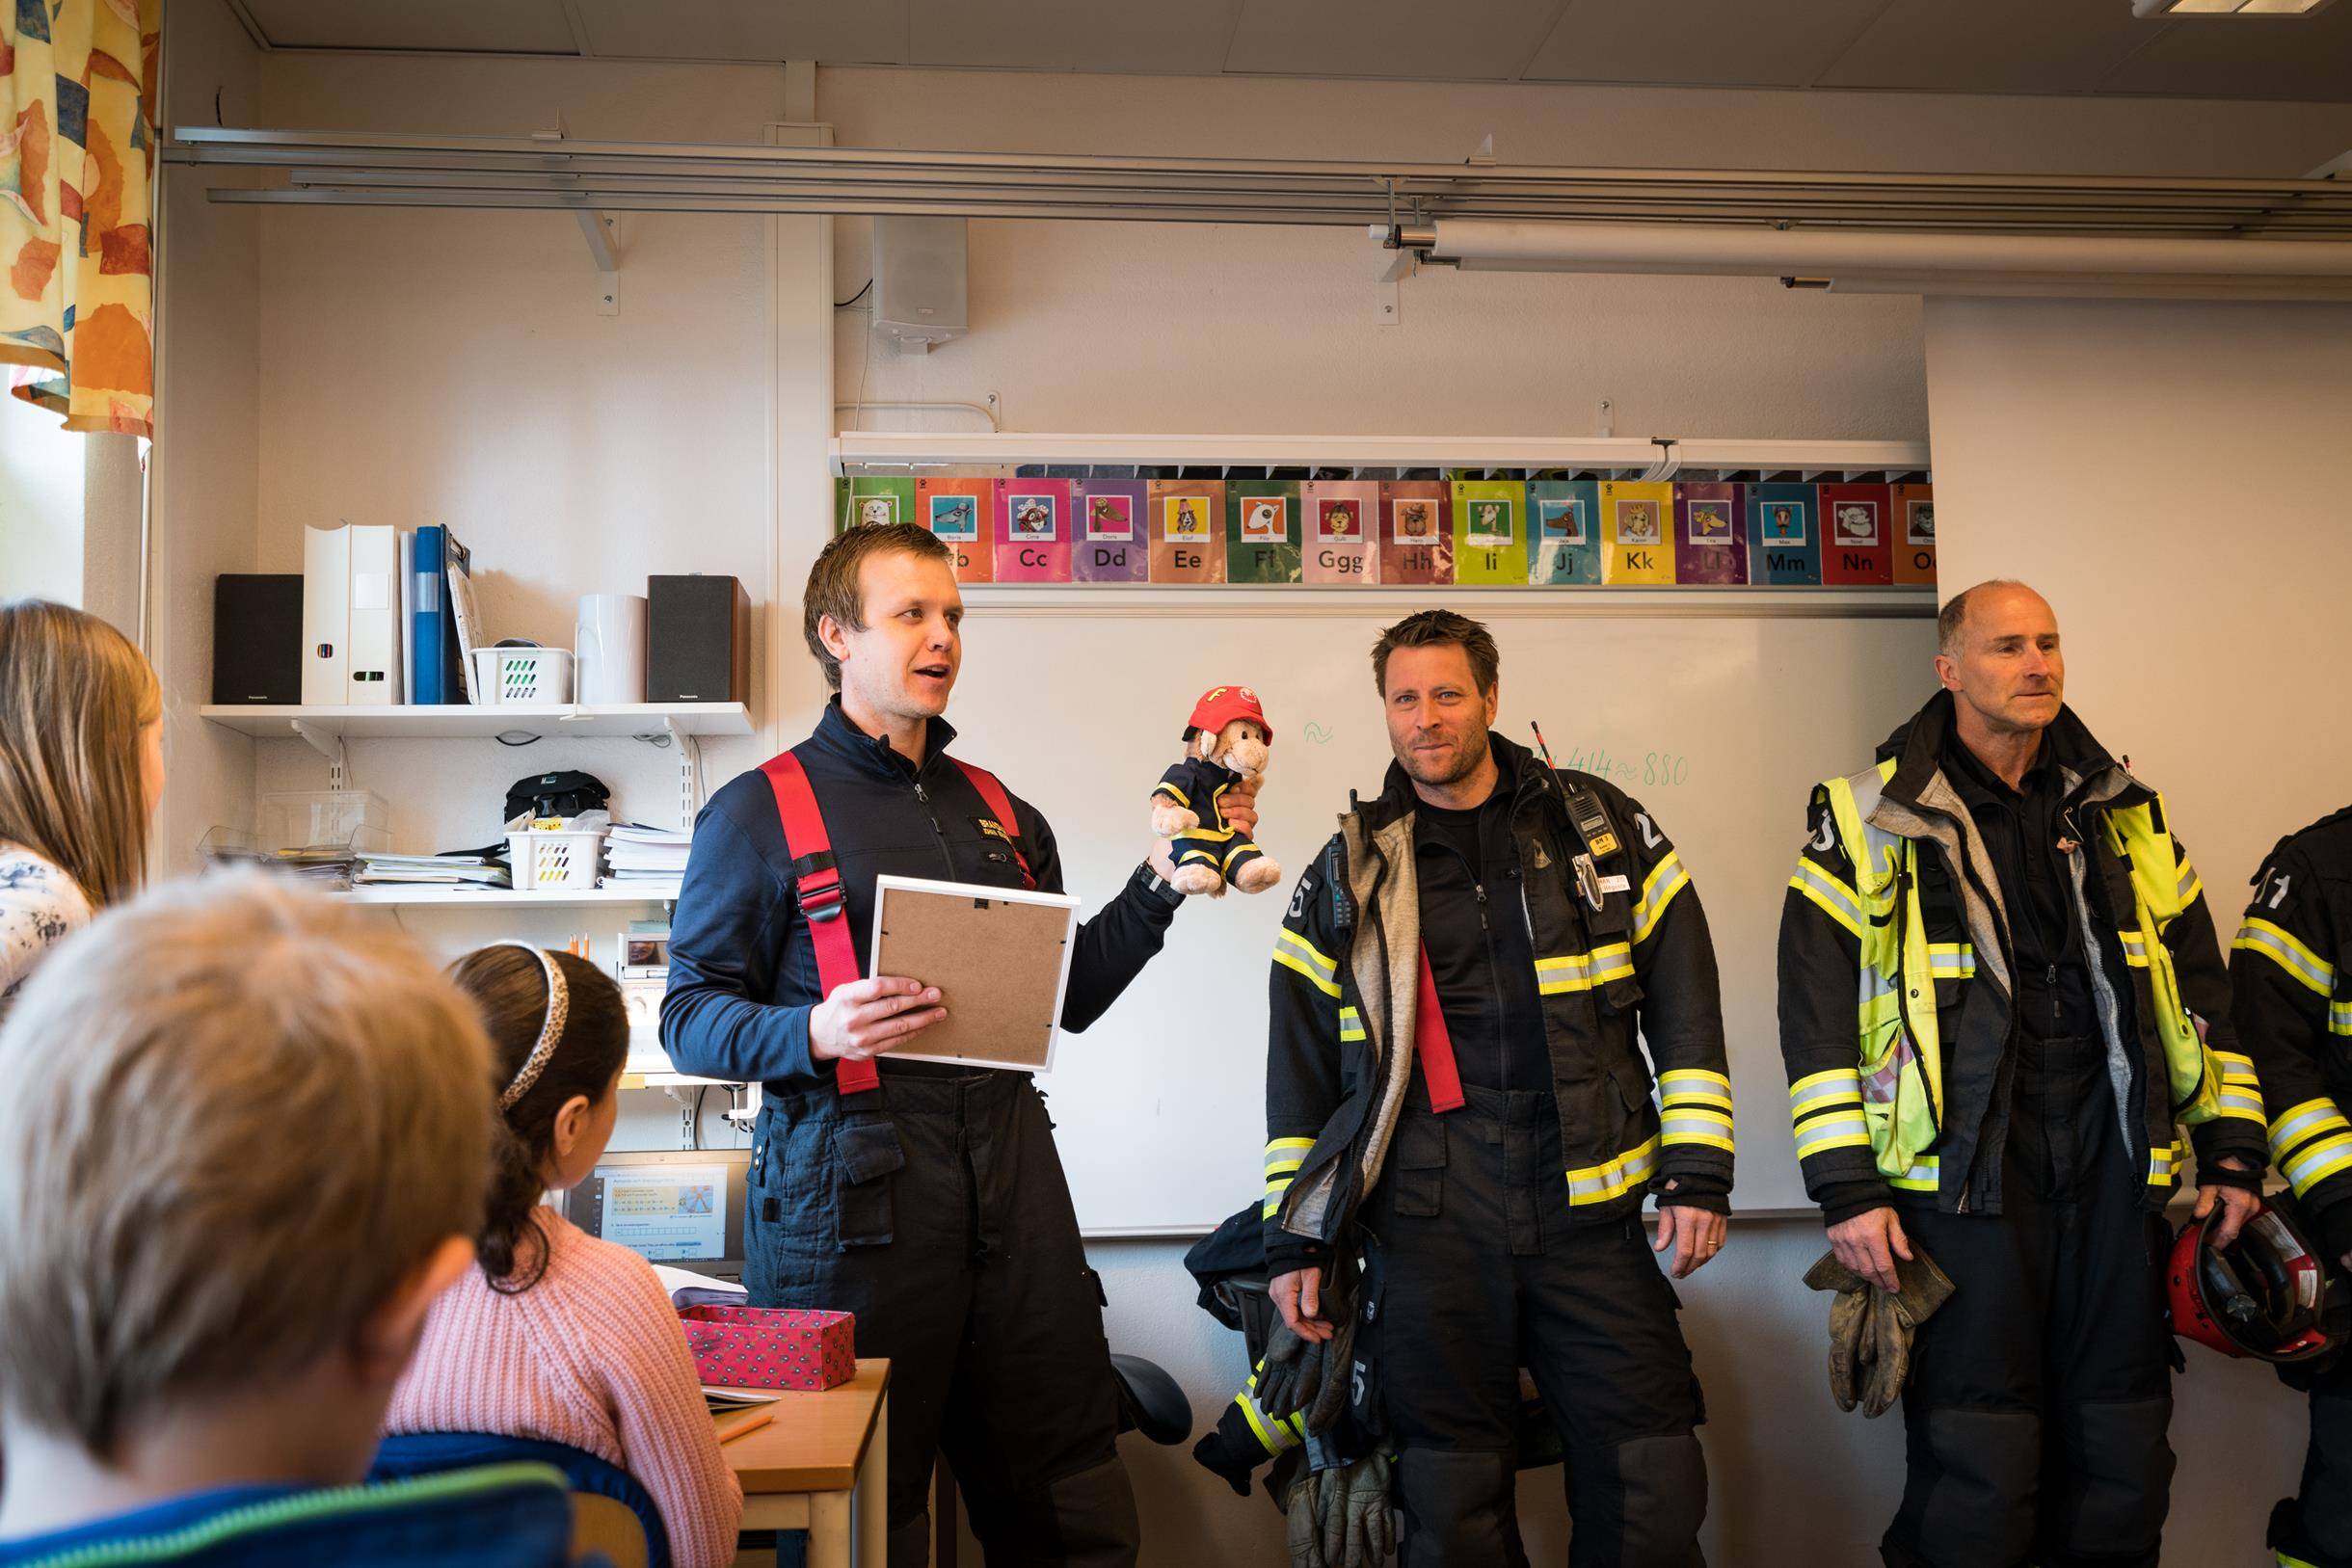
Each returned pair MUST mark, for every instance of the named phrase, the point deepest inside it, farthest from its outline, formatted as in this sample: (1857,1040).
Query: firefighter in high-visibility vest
(2001,1004)
(926,1198)
(2290,985)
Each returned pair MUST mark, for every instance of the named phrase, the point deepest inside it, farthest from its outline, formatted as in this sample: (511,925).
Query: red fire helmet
(2263,1295)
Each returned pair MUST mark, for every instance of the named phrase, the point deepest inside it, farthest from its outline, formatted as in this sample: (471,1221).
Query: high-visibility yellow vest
(1901,1045)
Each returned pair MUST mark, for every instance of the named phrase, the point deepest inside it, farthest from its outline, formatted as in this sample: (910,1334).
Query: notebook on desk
(680,1207)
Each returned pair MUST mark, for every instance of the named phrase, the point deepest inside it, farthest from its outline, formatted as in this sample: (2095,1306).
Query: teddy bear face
(1241,746)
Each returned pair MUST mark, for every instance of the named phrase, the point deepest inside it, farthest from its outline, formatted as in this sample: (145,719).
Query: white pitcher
(608,645)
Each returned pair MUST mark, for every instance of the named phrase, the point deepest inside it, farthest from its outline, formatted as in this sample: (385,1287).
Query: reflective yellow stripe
(1666,879)
(1350,1024)
(2162,1161)
(2189,886)
(1582,971)
(2340,1017)
(1836,1129)
(1819,1090)
(2283,948)
(2296,1123)
(1273,1442)
(2246,1104)
(2135,948)
(1837,900)
(1294,952)
(1236,847)
(2235,1068)
(2287,1561)
(1951,959)
(1693,1086)
(1283,1158)
(1181,798)
(2311,1142)
(1598,1184)
(1696,1123)
(1922,1177)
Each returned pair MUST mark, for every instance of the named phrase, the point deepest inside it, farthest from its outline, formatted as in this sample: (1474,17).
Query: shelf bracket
(601,230)
(329,744)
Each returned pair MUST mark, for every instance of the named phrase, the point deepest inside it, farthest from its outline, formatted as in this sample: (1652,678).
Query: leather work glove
(1306,1376)
(1871,1331)
(1338,1517)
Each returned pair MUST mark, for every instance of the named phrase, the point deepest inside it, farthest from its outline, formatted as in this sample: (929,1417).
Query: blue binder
(429,633)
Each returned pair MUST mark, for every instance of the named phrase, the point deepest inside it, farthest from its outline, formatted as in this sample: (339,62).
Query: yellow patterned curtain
(77,166)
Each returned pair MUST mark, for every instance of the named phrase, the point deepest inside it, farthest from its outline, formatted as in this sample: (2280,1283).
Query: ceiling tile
(468,26)
(1072,35)
(870,32)
(2304,58)
(1707,42)
(1467,40)
(1993,47)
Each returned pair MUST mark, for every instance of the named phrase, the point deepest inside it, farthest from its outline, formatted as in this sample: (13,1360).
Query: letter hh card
(1262,531)
(1416,531)
(1634,516)
(1186,520)
(1109,544)
(1915,534)
(963,512)
(1490,531)
(1857,546)
(1341,518)
(1033,530)
(1710,536)
(871,498)
(1783,534)
(1563,532)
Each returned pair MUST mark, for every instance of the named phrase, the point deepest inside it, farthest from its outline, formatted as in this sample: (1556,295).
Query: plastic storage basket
(354,820)
(561,860)
(522,675)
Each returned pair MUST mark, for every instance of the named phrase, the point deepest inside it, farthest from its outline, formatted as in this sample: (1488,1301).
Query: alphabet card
(1110,544)
(1185,519)
(1341,516)
(1710,535)
(1416,531)
(1633,521)
(1033,530)
(1915,534)
(962,512)
(1490,531)
(1563,535)
(871,498)
(1859,547)
(1262,531)
(1783,534)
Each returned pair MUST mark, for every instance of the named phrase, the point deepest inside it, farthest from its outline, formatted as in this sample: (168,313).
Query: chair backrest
(612,1513)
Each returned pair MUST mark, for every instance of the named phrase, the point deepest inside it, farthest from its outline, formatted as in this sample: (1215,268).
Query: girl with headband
(556,1334)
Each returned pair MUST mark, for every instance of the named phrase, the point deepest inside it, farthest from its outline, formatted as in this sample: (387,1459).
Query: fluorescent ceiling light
(2225,8)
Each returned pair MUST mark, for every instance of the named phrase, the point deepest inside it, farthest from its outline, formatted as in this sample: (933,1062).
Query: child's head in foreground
(244,1146)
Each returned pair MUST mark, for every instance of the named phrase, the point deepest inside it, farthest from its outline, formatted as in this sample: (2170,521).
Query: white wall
(40,506)
(419,366)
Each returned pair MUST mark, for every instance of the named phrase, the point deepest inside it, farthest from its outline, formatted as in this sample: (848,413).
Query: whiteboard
(1718,724)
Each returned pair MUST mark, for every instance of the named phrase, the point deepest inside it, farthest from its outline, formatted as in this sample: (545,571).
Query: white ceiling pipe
(1892,262)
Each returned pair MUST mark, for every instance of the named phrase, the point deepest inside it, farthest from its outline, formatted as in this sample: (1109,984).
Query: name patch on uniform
(993,828)
(1616,885)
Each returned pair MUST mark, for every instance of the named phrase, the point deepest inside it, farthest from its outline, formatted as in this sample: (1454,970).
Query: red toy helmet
(2264,1296)
(1219,706)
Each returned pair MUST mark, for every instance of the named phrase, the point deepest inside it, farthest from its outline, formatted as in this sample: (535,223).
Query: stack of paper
(429,870)
(638,855)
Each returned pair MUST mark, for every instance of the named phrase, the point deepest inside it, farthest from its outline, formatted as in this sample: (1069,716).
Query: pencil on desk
(735,1424)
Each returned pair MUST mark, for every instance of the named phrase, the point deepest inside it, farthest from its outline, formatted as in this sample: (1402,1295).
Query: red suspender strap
(993,795)
(819,889)
(1433,1046)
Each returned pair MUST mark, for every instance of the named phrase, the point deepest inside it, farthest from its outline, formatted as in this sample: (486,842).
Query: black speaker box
(697,640)
(257,637)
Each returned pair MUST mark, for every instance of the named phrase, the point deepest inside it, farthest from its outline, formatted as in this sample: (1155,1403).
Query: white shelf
(443,897)
(902,449)
(417,722)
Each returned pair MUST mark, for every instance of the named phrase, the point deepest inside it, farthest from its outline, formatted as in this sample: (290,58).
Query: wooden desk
(821,1465)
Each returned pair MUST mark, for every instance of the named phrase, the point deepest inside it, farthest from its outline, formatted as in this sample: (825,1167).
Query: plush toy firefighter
(1227,741)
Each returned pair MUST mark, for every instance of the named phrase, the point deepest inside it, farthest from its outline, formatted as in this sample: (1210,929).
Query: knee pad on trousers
(1638,1504)
(1460,1507)
(1085,1520)
(2123,1482)
(1978,1481)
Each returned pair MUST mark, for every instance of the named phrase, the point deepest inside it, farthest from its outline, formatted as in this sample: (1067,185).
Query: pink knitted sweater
(592,1356)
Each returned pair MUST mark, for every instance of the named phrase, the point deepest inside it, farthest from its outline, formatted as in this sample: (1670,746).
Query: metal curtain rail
(384,169)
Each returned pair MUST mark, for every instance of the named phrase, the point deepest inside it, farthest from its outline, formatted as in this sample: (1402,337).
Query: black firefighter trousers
(2039,1396)
(1486,1271)
(2315,1530)
(936,1211)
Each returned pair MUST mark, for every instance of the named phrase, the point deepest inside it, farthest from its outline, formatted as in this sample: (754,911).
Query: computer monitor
(680,1207)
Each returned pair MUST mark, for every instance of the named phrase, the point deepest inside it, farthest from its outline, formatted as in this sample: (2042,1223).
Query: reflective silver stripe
(2276,942)
(1924,1175)
(1693,1086)
(1951,961)
(1694,1125)
(1350,1024)
(2239,1103)
(2301,1122)
(2162,1162)
(1294,951)
(2235,1069)
(2320,1161)
(1598,1184)
(1820,884)
(1843,1084)
(1838,1129)
(2189,883)
(1666,879)
(2135,946)
(1582,971)
(2340,1017)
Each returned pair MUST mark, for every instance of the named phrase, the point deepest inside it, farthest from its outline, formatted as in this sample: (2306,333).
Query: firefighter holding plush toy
(1227,741)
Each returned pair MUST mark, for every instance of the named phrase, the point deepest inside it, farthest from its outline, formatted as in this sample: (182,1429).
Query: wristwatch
(1152,883)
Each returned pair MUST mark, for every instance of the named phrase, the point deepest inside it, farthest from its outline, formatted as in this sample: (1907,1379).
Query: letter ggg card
(1490,531)
(1262,530)
(1033,530)
(1110,543)
(1340,516)
(1186,520)
(1634,519)
(962,512)
(1563,536)
(1859,548)
(1416,531)
(1710,534)
(1783,534)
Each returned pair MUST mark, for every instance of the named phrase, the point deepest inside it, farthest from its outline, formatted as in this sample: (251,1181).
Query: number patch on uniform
(1650,835)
